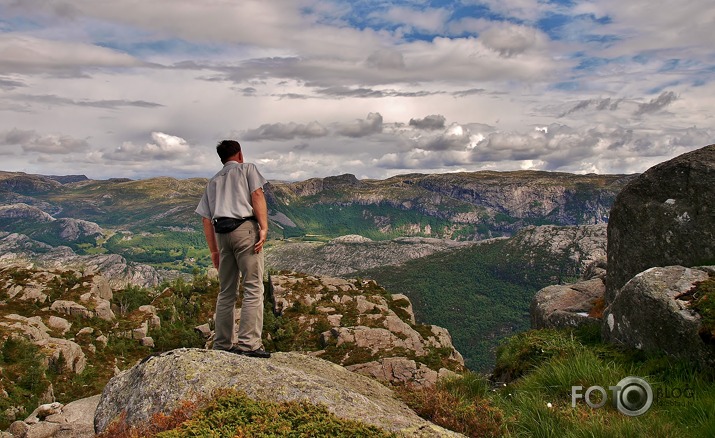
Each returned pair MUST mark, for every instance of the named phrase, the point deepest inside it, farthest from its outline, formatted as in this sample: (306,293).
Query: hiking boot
(260,353)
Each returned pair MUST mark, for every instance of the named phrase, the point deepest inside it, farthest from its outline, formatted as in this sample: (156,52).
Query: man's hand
(260,210)
(211,240)
(262,236)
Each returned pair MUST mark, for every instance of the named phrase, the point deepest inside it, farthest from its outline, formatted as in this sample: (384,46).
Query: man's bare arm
(260,211)
(211,240)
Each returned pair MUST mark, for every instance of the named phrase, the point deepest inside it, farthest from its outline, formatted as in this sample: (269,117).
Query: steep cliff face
(458,206)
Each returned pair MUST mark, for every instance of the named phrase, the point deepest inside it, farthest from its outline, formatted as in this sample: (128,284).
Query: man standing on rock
(235,221)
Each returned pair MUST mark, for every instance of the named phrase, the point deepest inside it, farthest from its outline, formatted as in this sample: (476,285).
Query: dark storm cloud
(657,104)
(435,121)
(286,131)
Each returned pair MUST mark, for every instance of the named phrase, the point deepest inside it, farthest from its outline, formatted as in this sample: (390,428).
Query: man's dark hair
(227,149)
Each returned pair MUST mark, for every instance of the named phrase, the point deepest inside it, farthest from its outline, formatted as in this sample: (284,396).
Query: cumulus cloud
(521,64)
(164,147)
(361,128)
(511,40)
(53,144)
(435,121)
(286,131)
(17,136)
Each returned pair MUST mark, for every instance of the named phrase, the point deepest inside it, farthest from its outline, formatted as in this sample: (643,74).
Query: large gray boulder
(160,383)
(652,312)
(664,217)
(567,305)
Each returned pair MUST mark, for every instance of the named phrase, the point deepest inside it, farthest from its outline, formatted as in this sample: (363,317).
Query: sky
(136,88)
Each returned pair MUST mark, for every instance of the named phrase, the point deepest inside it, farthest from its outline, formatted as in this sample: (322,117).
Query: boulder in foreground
(664,217)
(161,383)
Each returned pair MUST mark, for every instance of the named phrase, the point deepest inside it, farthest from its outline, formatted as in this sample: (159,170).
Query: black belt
(224,225)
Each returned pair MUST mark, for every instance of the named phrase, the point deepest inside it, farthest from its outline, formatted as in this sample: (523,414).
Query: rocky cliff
(457,206)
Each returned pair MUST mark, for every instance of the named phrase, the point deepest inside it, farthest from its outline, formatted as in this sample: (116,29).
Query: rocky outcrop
(20,250)
(24,212)
(664,217)
(23,183)
(160,383)
(65,229)
(401,369)
(653,312)
(569,305)
(55,420)
(75,229)
(582,245)
(528,194)
(358,324)
(62,352)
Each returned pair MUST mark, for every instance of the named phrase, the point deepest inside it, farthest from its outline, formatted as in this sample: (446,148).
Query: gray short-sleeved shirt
(228,193)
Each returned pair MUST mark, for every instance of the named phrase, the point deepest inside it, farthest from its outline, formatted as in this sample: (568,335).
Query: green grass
(538,403)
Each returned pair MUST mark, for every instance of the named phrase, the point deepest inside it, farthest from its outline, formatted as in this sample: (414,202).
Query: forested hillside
(482,292)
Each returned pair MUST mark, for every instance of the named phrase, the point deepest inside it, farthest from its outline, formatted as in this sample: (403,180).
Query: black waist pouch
(223,225)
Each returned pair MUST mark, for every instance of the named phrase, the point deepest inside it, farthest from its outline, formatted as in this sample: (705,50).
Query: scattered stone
(59,324)
(101,340)
(85,331)
(204,330)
